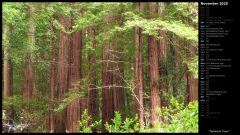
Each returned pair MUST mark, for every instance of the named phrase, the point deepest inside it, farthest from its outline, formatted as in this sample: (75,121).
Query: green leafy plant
(177,118)
(130,125)
(70,97)
(4,117)
(193,66)
(86,125)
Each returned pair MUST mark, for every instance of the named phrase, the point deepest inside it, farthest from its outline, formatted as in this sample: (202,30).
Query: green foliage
(177,118)
(87,20)
(4,117)
(152,26)
(193,66)
(31,110)
(70,97)
(84,126)
(18,103)
(182,10)
(12,12)
(130,125)
(15,101)
(176,27)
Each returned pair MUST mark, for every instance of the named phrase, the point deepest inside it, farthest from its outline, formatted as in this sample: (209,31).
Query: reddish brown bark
(73,110)
(28,70)
(27,87)
(176,54)
(153,71)
(118,91)
(139,89)
(52,81)
(118,72)
(163,50)
(162,55)
(113,94)
(192,83)
(62,77)
(7,70)
(107,90)
(35,87)
(92,92)
(112,77)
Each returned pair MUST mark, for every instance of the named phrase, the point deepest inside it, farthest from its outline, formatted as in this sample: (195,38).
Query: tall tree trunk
(107,90)
(73,109)
(35,87)
(112,78)
(176,54)
(192,83)
(28,71)
(92,92)
(192,86)
(62,78)
(155,101)
(118,72)
(52,81)
(118,76)
(7,70)
(162,49)
(113,95)
(139,82)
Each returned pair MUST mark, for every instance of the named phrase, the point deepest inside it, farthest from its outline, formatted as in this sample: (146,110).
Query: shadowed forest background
(100,67)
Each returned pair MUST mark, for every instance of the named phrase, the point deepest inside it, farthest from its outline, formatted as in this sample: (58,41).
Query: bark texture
(155,101)
(7,70)
(139,82)
(62,77)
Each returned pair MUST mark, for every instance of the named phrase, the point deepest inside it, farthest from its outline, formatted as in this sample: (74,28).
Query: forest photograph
(100,67)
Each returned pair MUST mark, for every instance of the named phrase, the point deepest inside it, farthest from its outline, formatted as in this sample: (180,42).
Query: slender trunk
(52,81)
(107,91)
(28,71)
(192,87)
(112,78)
(162,49)
(153,72)
(113,93)
(176,54)
(92,92)
(7,70)
(118,76)
(139,89)
(118,73)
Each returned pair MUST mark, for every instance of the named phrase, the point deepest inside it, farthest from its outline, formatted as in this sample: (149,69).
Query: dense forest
(100,67)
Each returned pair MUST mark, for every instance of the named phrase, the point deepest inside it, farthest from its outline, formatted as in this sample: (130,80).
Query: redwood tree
(139,89)
(52,81)
(192,83)
(153,71)
(28,70)
(162,55)
(7,69)
(107,90)
(92,92)
(73,109)
(62,77)
(112,77)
